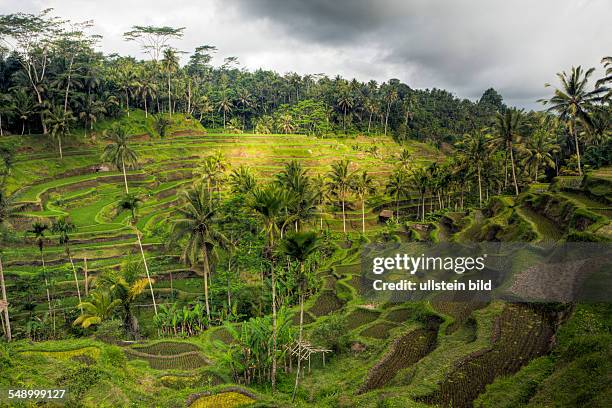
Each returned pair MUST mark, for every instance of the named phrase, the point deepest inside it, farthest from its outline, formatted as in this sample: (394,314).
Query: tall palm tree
(302,197)
(404,159)
(539,150)
(38,230)
(119,152)
(225,105)
(6,211)
(420,182)
(474,147)
(340,178)
(508,128)
(197,225)
(363,186)
(170,64)
(345,102)
(59,122)
(63,229)
(396,187)
(573,100)
(285,123)
(299,247)
(268,203)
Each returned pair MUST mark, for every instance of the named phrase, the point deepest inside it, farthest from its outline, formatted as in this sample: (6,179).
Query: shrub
(331,333)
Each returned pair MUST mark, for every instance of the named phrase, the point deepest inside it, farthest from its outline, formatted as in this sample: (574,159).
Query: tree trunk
(144,261)
(363,215)
(169,97)
(387,117)
(206,271)
(479,188)
(127,191)
(369,122)
(299,349)
(513,171)
(59,141)
(6,312)
(343,217)
(274,330)
(145,104)
(577,149)
(76,279)
(86,277)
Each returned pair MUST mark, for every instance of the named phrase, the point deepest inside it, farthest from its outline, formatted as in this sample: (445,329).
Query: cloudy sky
(464,46)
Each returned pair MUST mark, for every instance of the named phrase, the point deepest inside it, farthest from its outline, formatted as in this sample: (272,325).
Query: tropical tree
(130,202)
(539,150)
(125,286)
(419,180)
(225,105)
(396,187)
(363,186)
(6,211)
(299,247)
(170,64)
(38,230)
(573,100)
(268,203)
(508,128)
(242,180)
(119,152)
(340,178)
(63,228)
(475,148)
(100,307)
(59,122)
(197,226)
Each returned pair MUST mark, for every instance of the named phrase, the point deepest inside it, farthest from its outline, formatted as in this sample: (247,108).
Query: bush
(110,331)
(331,333)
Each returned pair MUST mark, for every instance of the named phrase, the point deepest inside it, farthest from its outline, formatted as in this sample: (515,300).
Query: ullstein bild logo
(399,272)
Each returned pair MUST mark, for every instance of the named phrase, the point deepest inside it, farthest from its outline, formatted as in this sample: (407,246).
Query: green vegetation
(192,235)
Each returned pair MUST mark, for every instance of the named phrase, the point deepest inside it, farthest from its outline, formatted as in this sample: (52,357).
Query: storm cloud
(464,46)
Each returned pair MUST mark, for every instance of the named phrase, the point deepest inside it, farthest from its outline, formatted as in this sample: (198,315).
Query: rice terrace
(180,233)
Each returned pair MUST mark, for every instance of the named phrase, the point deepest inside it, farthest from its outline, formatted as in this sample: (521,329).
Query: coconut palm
(573,100)
(508,128)
(63,228)
(474,148)
(268,204)
(59,122)
(119,152)
(396,187)
(419,180)
(130,202)
(242,180)
(299,247)
(125,286)
(197,226)
(345,102)
(363,186)
(302,197)
(38,230)
(539,150)
(404,159)
(6,211)
(285,123)
(170,64)
(101,307)
(225,105)
(340,178)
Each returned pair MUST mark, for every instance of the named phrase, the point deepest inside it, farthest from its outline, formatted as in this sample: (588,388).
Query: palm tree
(268,203)
(242,180)
(285,123)
(340,182)
(539,150)
(38,229)
(6,211)
(63,228)
(24,107)
(390,98)
(197,224)
(396,187)
(474,147)
(404,159)
(130,202)
(7,109)
(508,126)
(345,102)
(363,185)
(125,286)
(170,64)
(573,100)
(225,105)
(420,182)
(299,247)
(302,198)
(59,122)
(101,307)
(119,152)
